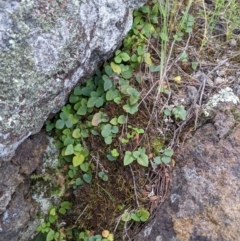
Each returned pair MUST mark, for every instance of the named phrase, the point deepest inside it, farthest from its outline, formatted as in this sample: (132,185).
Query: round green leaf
(108,70)
(62,210)
(115,68)
(87,177)
(121,119)
(114,121)
(82,110)
(108,140)
(50,235)
(78,160)
(168,152)
(124,56)
(118,59)
(128,158)
(73,98)
(143,160)
(166,159)
(60,124)
(76,133)
(135,217)
(126,217)
(84,166)
(157,160)
(69,150)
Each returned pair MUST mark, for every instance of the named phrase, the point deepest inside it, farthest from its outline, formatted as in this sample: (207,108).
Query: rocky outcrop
(16,205)
(204,203)
(46,48)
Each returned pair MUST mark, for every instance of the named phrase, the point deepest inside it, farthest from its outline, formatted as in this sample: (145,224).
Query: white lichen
(224,95)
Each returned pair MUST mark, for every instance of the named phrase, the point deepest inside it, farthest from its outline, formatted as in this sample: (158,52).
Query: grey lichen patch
(48,169)
(224,95)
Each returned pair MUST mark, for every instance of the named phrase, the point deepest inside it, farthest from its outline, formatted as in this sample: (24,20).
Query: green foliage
(141,215)
(131,134)
(165,158)
(178,112)
(103,176)
(138,155)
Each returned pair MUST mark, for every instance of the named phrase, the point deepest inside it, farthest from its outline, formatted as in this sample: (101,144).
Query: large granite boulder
(46,48)
(204,203)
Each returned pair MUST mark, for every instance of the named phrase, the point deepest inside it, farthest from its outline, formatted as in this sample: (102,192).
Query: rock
(16,216)
(204,201)
(221,73)
(46,48)
(201,76)
(233,43)
(16,206)
(219,80)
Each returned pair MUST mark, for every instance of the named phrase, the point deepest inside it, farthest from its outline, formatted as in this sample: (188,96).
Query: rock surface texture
(204,203)
(16,206)
(46,48)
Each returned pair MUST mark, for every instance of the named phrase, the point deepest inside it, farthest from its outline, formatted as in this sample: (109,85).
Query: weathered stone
(30,153)
(204,203)
(9,180)
(15,201)
(16,216)
(46,48)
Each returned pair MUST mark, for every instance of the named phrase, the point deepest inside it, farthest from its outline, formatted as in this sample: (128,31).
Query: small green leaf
(52,212)
(154,68)
(118,59)
(132,109)
(115,68)
(141,50)
(87,177)
(114,129)
(167,112)
(99,102)
(92,101)
(78,160)
(82,110)
(62,210)
(67,205)
(108,70)
(157,160)
(135,217)
(77,90)
(79,181)
(121,119)
(126,217)
(60,124)
(168,152)
(128,158)
(166,159)
(114,121)
(73,98)
(111,94)
(108,140)
(143,160)
(84,166)
(69,150)
(194,65)
(124,56)
(103,176)
(50,235)
(107,82)
(144,215)
(76,133)
(147,59)
(114,153)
